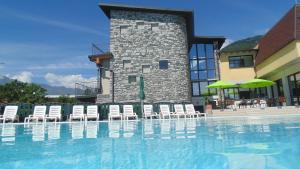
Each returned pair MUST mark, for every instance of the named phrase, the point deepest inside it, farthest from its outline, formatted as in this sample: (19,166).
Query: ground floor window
(294,85)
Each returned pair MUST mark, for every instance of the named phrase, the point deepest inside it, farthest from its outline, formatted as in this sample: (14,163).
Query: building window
(195,88)
(154,27)
(140,25)
(240,61)
(126,64)
(146,68)
(163,64)
(202,69)
(131,79)
(124,29)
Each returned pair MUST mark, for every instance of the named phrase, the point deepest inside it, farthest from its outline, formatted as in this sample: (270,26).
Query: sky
(48,41)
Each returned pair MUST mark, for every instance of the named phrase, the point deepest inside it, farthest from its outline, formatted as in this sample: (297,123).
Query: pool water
(230,143)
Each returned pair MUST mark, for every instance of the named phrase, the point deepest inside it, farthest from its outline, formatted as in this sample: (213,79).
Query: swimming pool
(235,143)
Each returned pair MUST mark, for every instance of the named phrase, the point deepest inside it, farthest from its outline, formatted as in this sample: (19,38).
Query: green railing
(26,109)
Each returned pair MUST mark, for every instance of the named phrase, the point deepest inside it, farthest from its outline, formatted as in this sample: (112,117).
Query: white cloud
(66,80)
(226,43)
(24,76)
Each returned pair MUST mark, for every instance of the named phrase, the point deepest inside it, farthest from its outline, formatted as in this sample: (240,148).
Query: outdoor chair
(128,112)
(54,113)
(164,111)
(39,113)
(148,112)
(77,113)
(190,111)
(179,111)
(10,114)
(114,112)
(92,112)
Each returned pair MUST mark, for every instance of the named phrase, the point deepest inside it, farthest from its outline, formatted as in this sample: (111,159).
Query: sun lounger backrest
(55,111)
(179,108)
(114,110)
(190,108)
(128,110)
(92,111)
(78,111)
(164,109)
(39,111)
(148,109)
(10,111)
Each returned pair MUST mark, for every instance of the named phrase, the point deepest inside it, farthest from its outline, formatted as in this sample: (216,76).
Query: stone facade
(140,39)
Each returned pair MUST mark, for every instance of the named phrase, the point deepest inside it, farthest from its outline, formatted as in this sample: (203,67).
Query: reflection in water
(38,132)
(165,129)
(92,129)
(180,129)
(77,130)
(215,144)
(191,128)
(114,128)
(129,128)
(8,133)
(53,131)
(148,129)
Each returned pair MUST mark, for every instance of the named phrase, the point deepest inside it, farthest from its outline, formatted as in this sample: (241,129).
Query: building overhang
(99,58)
(209,39)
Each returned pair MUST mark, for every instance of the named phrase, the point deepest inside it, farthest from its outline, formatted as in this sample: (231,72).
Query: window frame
(160,64)
(240,56)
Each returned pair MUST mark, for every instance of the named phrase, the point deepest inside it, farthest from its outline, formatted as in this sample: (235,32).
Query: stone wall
(145,39)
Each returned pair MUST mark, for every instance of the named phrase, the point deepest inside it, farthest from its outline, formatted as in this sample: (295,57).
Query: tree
(19,92)
(66,99)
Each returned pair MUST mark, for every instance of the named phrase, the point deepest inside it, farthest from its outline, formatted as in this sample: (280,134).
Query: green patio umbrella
(142,93)
(221,85)
(257,83)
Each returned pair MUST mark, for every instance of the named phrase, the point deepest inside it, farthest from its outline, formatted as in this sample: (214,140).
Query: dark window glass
(210,51)
(193,64)
(195,89)
(211,74)
(211,64)
(240,61)
(163,64)
(131,79)
(202,64)
(202,75)
(194,75)
(201,50)
(193,52)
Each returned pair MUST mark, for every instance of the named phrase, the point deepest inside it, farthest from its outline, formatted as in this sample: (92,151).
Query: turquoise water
(236,143)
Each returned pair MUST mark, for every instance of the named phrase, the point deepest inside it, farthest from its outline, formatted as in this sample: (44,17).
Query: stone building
(154,43)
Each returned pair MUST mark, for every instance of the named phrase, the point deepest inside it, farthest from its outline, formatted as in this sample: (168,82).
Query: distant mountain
(4,79)
(52,90)
(58,90)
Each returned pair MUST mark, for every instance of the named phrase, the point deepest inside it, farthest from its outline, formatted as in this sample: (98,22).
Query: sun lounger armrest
(30,116)
(198,112)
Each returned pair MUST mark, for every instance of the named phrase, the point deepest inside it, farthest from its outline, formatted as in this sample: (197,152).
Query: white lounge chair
(164,111)
(10,113)
(39,113)
(54,113)
(148,112)
(114,112)
(179,111)
(190,111)
(77,113)
(128,112)
(92,112)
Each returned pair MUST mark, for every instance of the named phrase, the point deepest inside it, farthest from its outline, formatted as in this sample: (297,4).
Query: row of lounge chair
(39,113)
